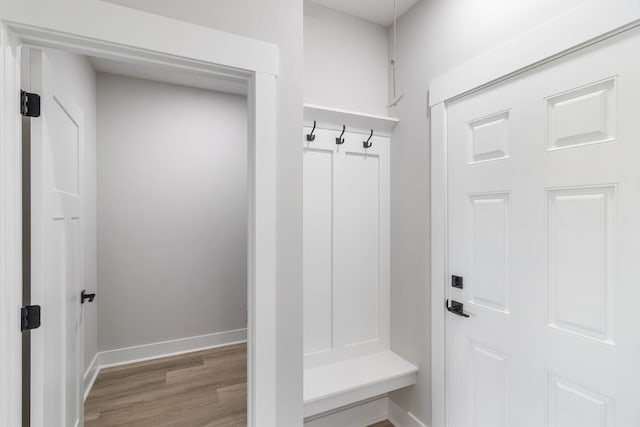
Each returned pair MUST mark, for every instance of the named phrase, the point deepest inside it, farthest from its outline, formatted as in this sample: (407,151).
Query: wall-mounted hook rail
(340,139)
(310,136)
(368,143)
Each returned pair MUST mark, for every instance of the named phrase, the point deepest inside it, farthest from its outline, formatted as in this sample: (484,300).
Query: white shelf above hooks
(334,118)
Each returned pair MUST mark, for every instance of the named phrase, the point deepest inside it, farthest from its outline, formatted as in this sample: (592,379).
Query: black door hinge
(29,104)
(29,317)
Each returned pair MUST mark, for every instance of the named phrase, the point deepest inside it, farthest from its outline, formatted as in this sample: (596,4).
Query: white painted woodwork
(589,22)
(356,122)
(581,116)
(346,208)
(158,350)
(346,246)
(543,208)
(57,140)
(318,239)
(581,227)
(262,383)
(365,414)
(239,57)
(439,256)
(489,138)
(489,253)
(71,21)
(339,384)
(10,231)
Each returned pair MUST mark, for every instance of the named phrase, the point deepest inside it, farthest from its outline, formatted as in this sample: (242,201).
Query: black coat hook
(311,136)
(367,143)
(340,139)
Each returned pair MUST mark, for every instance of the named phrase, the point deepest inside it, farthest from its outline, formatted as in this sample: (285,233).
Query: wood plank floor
(206,388)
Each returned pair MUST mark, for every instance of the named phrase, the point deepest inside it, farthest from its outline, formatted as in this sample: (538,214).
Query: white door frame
(107,30)
(582,26)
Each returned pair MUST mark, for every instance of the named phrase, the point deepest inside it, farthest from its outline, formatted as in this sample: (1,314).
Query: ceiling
(378,11)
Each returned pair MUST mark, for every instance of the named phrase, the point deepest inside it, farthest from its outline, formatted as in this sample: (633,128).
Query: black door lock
(84,296)
(457,282)
(456,308)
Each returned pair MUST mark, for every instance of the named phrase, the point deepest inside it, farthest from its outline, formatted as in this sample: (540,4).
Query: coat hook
(367,143)
(311,136)
(340,139)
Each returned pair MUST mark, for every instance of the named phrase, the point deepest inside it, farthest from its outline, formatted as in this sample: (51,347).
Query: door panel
(489,386)
(357,237)
(580,259)
(488,264)
(56,139)
(544,201)
(318,244)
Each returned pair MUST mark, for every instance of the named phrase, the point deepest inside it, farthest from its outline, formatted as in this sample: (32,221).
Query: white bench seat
(342,383)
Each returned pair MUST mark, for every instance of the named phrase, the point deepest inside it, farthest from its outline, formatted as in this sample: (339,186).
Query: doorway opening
(139,249)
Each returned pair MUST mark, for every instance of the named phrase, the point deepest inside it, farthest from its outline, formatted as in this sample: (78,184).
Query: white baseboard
(140,353)
(90,375)
(366,413)
(360,415)
(401,418)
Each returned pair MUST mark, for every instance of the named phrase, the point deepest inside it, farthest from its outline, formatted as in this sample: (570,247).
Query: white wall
(433,37)
(278,22)
(345,61)
(80,79)
(172,212)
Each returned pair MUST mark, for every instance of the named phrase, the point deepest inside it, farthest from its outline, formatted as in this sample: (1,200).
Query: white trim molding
(359,415)
(91,374)
(141,353)
(401,418)
(10,232)
(439,252)
(580,27)
(188,48)
(190,41)
(365,413)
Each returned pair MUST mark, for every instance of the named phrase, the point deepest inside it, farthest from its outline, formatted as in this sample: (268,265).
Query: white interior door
(544,226)
(57,144)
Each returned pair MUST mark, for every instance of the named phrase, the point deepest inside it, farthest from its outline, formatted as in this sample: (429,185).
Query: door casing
(558,37)
(164,43)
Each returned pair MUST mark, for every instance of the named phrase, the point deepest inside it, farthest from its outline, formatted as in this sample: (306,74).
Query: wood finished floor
(205,388)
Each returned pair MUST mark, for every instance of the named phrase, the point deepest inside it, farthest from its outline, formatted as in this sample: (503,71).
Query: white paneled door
(57,145)
(544,236)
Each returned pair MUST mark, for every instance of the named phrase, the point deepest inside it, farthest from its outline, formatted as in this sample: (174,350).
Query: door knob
(456,308)
(85,296)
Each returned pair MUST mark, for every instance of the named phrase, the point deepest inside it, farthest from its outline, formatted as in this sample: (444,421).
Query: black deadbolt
(457,282)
